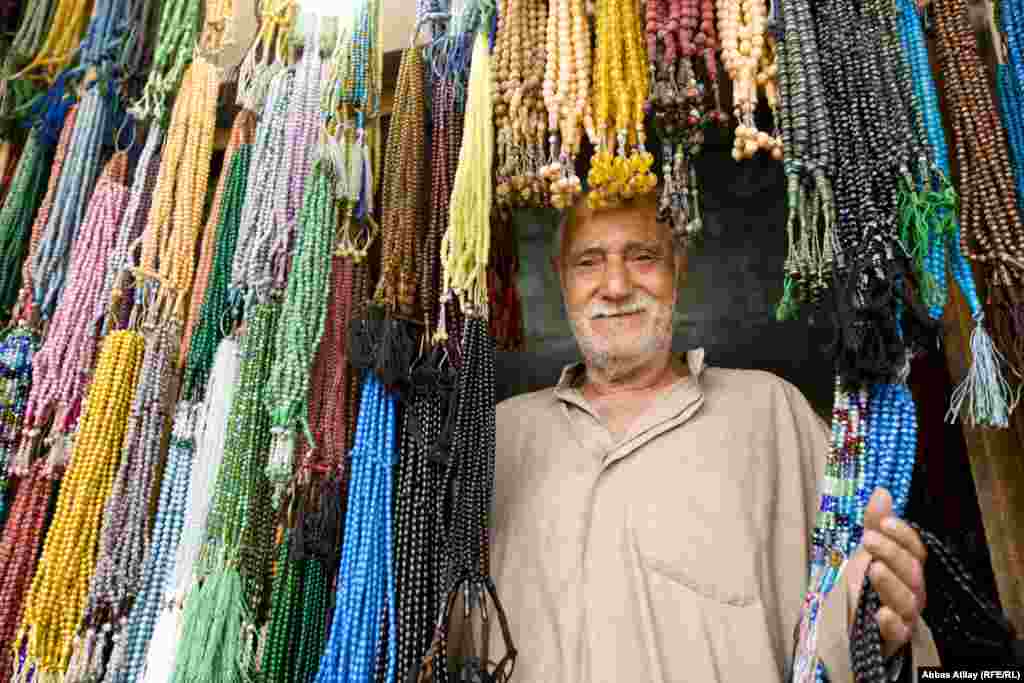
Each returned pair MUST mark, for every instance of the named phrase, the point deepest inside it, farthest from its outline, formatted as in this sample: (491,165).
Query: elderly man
(653,516)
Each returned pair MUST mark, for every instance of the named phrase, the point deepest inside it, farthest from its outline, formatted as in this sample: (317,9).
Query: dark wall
(727,306)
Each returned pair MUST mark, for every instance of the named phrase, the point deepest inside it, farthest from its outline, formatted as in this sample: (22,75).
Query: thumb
(878,508)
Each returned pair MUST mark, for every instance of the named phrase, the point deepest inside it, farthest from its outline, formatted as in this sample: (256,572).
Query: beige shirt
(679,553)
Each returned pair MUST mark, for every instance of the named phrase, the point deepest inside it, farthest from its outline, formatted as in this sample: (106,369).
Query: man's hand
(893,556)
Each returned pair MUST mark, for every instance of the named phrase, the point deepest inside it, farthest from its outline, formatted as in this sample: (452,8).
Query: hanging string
(53,607)
(466,244)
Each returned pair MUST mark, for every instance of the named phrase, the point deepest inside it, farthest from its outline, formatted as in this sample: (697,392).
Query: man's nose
(617,283)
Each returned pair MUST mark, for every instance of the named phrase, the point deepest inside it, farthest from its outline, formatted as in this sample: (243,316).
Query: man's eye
(586,263)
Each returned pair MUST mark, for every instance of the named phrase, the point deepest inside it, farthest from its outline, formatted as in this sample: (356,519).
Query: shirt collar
(568,386)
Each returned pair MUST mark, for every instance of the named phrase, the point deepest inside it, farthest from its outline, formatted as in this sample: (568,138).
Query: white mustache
(604,310)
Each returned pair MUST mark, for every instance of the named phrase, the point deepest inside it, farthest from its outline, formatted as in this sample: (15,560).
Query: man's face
(618,274)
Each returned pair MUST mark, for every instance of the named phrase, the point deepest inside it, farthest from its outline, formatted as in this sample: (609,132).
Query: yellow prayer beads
(168,248)
(69,21)
(621,168)
(60,586)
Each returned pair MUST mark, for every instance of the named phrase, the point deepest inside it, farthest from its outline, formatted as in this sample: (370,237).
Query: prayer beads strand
(214,309)
(159,559)
(301,327)
(178,32)
(403,192)
(242,131)
(365,588)
(237,529)
(18,347)
(132,226)
(465,245)
(835,528)
(983,397)
(17,214)
(20,546)
(63,364)
(620,169)
(989,213)
(60,584)
(77,176)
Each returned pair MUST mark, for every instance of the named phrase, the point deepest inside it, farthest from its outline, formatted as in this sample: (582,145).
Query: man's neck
(598,384)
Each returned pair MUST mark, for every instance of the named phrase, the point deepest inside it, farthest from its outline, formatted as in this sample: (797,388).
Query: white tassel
(280,464)
(984,397)
(210,435)
(162,647)
(81,652)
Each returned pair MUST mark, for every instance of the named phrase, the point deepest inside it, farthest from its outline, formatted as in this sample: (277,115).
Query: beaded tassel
(54,604)
(365,592)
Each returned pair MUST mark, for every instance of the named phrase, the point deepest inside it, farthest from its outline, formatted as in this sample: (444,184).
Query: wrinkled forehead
(611,229)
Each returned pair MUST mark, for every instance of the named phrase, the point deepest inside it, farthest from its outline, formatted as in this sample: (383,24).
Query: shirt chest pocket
(700,536)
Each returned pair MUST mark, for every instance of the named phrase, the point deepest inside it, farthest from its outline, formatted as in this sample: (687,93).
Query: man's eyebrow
(657,246)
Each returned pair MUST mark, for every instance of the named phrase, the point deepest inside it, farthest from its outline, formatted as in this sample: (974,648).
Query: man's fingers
(878,508)
(899,531)
(907,568)
(895,631)
(893,592)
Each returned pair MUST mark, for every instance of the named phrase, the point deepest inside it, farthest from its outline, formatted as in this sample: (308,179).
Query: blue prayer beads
(366,584)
